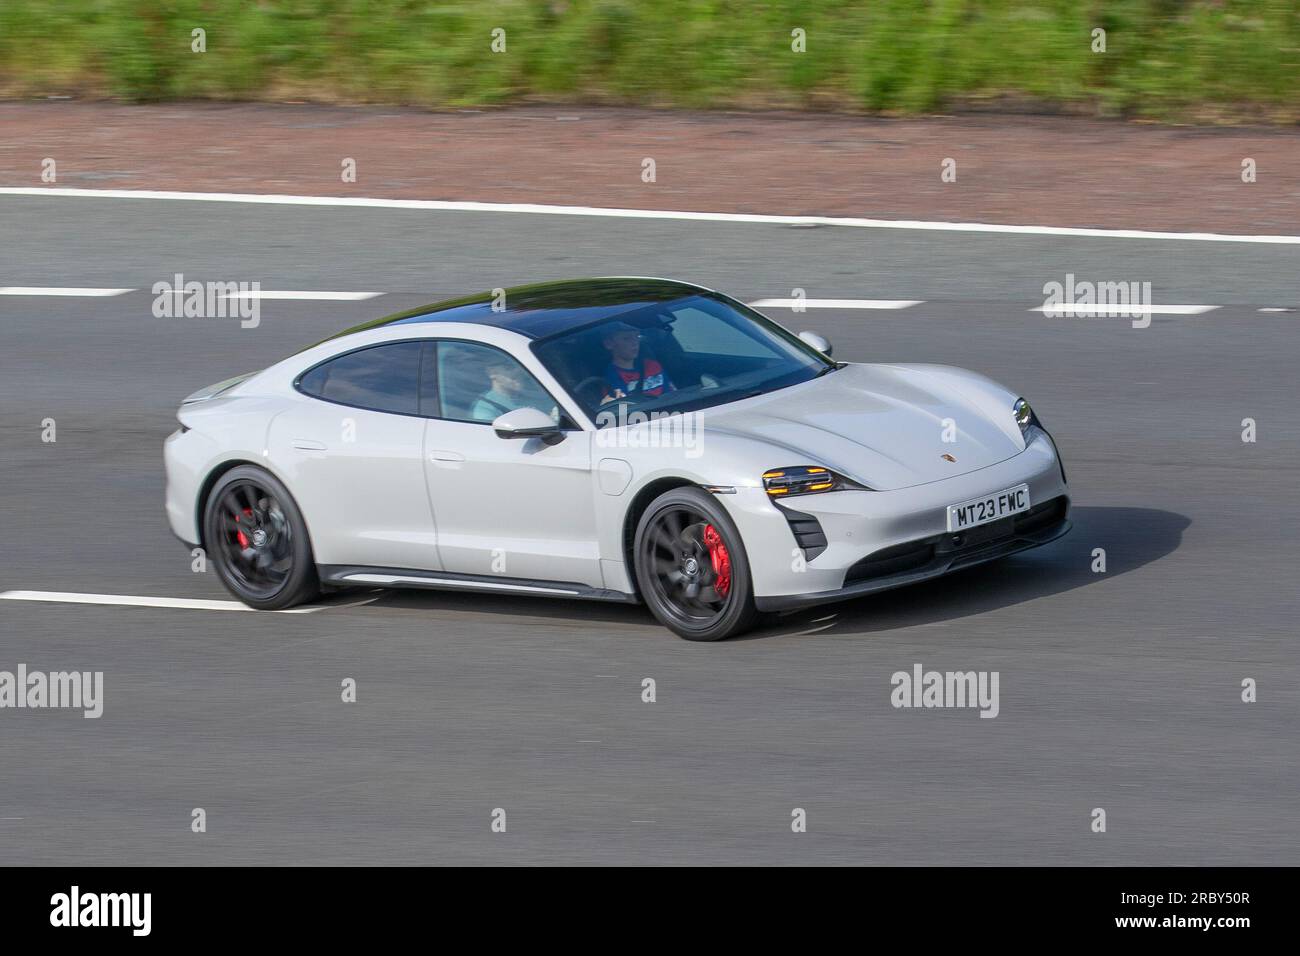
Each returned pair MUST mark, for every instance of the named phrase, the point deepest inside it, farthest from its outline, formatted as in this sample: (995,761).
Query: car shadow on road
(1130,537)
(581,613)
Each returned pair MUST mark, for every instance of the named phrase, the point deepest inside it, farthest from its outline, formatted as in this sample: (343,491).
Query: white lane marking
(55,290)
(344,604)
(304,296)
(550,210)
(131,600)
(835,303)
(1275,309)
(1125,310)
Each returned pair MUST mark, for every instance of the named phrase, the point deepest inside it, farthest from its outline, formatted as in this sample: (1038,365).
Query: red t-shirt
(629,379)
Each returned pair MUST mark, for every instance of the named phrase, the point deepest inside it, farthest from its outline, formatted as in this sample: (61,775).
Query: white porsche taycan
(619,439)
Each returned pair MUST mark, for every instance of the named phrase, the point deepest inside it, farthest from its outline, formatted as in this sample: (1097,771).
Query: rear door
(352,451)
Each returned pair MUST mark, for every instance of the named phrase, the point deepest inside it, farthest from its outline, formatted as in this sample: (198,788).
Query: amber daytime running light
(802,480)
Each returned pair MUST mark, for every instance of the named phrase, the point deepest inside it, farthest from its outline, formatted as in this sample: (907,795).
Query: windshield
(691,353)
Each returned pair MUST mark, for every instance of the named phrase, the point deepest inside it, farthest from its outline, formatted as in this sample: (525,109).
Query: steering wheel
(590,391)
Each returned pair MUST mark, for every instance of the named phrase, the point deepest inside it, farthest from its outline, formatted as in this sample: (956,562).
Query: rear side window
(384,378)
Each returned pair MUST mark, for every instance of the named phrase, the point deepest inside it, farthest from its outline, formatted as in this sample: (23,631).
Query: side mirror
(819,342)
(528,423)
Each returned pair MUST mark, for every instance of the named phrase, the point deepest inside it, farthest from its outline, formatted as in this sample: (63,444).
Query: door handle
(306,444)
(446,456)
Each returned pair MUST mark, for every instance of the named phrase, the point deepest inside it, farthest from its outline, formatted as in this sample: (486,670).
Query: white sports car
(620,439)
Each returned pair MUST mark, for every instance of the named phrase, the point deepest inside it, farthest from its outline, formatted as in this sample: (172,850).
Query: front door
(506,507)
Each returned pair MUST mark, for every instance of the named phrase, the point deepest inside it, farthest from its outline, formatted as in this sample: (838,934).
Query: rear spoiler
(212,391)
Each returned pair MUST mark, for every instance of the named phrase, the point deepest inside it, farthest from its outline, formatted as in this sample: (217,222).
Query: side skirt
(351,575)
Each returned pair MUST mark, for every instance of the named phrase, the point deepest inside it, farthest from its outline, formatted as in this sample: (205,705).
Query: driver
(628,371)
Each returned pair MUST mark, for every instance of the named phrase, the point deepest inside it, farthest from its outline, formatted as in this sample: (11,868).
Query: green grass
(1217,60)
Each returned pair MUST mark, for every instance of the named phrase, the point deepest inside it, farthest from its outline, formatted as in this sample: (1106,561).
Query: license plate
(978,511)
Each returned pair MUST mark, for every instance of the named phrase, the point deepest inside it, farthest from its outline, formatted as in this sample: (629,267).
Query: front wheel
(258,541)
(691,567)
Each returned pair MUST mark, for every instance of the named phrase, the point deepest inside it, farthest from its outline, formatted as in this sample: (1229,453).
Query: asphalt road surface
(1118,690)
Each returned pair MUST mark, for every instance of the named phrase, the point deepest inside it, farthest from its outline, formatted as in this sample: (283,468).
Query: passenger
(510,390)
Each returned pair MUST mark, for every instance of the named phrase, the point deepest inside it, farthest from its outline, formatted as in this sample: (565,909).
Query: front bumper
(792,567)
(935,556)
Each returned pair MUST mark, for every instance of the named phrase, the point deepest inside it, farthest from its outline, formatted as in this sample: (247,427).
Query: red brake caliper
(721,560)
(239,533)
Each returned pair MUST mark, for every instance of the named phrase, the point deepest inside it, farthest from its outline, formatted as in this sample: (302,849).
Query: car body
(489,444)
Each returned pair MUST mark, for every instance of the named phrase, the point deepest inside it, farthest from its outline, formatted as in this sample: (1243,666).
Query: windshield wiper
(833,367)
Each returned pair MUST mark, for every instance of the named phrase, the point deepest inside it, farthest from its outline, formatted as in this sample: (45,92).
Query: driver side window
(480,383)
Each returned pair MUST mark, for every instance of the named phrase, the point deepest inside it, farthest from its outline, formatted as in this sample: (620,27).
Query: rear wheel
(257,540)
(691,567)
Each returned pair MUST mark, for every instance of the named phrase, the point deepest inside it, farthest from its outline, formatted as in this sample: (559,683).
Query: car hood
(882,425)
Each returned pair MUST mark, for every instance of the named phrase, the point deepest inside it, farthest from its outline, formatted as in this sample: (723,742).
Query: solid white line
(305,296)
(550,210)
(1126,310)
(836,303)
(130,600)
(42,290)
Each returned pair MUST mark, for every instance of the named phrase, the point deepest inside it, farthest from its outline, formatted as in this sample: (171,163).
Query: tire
(676,546)
(257,540)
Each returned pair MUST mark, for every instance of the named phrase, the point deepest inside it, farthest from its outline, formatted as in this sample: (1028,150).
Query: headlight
(1027,420)
(1025,416)
(803,480)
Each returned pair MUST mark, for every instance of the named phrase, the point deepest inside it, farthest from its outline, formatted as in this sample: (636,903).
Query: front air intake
(808,533)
